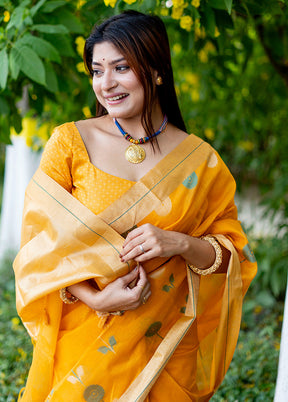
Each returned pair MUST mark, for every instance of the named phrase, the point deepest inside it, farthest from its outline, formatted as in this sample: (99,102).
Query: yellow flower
(130,1)
(277,345)
(257,309)
(80,42)
(192,78)
(199,32)
(195,95)
(6,16)
(43,132)
(177,13)
(164,11)
(217,33)
(209,133)
(186,22)
(86,111)
(246,145)
(22,353)
(177,48)
(185,87)
(81,67)
(81,3)
(209,47)
(202,55)
(179,3)
(15,323)
(111,3)
(195,3)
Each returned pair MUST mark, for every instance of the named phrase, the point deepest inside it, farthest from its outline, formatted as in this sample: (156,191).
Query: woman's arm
(164,243)
(119,295)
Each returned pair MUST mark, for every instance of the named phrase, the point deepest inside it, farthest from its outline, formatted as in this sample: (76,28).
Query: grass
(251,376)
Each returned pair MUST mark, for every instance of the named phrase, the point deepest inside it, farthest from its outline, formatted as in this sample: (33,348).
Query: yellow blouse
(92,186)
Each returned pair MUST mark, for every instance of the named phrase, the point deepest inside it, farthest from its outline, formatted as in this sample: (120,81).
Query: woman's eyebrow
(95,63)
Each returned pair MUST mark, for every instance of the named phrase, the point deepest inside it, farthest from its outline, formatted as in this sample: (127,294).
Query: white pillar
(20,164)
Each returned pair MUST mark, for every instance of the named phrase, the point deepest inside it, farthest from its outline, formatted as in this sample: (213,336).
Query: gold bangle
(218,259)
(67,297)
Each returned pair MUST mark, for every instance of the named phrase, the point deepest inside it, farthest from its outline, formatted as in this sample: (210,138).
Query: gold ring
(142,249)
(144,300)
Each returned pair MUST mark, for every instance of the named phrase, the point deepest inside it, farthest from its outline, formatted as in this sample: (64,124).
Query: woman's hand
(117,295)
(148,241)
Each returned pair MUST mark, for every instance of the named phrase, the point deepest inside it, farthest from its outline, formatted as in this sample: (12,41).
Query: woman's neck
(134,127)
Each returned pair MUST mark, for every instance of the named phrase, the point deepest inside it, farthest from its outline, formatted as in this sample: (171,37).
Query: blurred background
(230,60)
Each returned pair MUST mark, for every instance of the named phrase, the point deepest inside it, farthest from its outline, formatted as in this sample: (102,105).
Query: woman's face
(115,85)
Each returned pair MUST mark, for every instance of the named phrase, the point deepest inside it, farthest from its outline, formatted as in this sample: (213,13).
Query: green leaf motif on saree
(106,349)
(183,309)
(248,253)
(154,329)
(94,393)
(191,181)
(166,288)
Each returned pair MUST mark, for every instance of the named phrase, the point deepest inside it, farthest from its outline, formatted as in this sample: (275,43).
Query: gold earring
(159,80)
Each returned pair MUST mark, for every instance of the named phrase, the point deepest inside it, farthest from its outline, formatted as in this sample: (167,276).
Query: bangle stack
(67,297)
(218,259)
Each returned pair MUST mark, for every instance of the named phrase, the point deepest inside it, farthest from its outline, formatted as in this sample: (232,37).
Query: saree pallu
(177,346)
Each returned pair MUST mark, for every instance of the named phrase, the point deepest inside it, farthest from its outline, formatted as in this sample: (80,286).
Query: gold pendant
(135,154)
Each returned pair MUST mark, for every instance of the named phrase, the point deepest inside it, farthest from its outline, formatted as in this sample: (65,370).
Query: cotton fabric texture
(178,345)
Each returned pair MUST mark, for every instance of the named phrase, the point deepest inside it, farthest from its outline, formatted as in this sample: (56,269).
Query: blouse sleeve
(56,160)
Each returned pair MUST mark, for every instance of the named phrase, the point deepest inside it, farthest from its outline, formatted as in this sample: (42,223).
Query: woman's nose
(108,81)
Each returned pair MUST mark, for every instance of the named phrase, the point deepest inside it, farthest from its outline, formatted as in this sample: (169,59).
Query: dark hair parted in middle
(143,41)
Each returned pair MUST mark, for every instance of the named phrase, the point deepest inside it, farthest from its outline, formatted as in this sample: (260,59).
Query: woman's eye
(97,72)
(122,68)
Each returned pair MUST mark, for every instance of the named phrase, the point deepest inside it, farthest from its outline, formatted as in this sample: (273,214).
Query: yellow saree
(179,345)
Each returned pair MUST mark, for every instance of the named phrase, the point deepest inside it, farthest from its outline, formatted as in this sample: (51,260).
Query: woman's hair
(143,41)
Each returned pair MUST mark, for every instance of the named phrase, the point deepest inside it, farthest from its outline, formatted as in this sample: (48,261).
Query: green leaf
(219,4)
(228,4)
(53,5)
(3,68)
(103,349)
(13,64)
(63,44)
(71,22)
(30,63)
(209,20)
(17,122)
(171,279)
(41,46)
(18,15)
(51,29)
(4,107)
(153,329)
(112,341)
(35,8)
(166,288)
(51,78)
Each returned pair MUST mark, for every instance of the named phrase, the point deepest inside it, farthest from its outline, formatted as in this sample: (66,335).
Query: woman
(154,236)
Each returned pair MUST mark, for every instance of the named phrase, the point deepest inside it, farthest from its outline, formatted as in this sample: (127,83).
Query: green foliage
(16,347)
(253,371)
(272,272)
